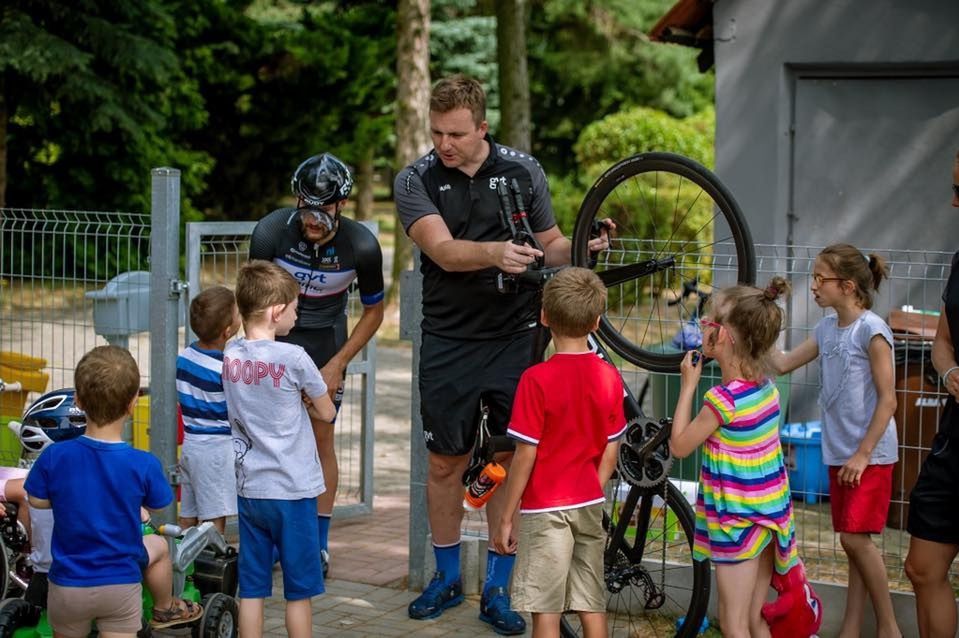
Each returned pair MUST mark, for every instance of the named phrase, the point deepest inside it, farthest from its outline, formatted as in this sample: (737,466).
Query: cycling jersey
(324,272)
(466,305)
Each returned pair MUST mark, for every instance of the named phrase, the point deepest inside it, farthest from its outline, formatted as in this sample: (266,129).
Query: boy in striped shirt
(207,478)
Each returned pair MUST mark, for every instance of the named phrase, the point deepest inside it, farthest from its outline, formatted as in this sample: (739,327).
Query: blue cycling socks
(498,568)
(448,562)
(323,522)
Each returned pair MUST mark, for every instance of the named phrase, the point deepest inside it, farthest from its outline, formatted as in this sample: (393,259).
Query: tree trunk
(364,184)
(412,110)
(511,18)
(4,118)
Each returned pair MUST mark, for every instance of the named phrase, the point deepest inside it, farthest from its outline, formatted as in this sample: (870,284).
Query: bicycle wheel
(650,576)
(675,223)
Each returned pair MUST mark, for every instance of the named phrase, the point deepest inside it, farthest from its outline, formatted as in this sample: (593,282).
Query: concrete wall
(844,114)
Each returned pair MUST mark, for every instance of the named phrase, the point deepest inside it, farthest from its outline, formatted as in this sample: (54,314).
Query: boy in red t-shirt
(567,420)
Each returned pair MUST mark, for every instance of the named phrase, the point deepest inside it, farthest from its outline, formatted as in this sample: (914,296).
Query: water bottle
(483,486)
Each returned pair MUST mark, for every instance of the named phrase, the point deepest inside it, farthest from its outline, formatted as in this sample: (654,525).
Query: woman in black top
(934,501)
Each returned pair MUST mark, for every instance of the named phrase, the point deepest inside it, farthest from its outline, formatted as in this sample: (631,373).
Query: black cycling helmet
(322,180)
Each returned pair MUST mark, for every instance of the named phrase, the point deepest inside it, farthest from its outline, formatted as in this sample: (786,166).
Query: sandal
(179,613)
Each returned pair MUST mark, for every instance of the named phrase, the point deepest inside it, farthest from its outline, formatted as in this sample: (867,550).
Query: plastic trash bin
(920,399)
(802,449)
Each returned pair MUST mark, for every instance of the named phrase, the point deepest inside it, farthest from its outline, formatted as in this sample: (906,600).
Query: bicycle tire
(673,210)
(666,562)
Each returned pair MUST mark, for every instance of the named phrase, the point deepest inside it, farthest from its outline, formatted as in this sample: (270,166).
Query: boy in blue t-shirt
(96,485)
(272,390)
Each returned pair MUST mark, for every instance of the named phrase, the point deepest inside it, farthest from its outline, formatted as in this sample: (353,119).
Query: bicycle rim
(675,222)
(665,574)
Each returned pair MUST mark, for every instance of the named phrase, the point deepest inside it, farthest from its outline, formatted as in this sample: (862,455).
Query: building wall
(839,120)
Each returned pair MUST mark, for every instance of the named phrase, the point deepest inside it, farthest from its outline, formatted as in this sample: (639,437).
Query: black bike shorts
(320,343)
(455,374)
(933,510)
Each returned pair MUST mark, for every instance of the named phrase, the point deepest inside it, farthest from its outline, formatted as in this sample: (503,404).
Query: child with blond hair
(567,420)
(744,519)
(272,389)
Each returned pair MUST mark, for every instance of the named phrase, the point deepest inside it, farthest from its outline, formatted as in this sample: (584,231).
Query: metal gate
(214,253)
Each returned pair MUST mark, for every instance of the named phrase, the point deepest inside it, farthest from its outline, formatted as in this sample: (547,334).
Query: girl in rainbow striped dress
(744,519)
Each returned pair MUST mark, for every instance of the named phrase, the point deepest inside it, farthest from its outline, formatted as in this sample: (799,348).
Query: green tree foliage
(590,59)
(235,95)
(463,40)
(286,81)
(620,135)
(94,95)
(640,130)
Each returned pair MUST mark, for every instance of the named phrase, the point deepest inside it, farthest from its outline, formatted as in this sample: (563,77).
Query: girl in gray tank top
(858,400)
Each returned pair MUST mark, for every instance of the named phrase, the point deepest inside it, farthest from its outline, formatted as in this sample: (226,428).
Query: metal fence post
(411,316)
(165,290)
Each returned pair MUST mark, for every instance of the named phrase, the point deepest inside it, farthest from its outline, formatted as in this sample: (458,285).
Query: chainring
(652,471)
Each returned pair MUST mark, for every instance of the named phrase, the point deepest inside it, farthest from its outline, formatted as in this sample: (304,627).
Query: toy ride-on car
(204,565)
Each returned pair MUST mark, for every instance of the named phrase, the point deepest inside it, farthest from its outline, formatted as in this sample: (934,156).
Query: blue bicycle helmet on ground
(52,418)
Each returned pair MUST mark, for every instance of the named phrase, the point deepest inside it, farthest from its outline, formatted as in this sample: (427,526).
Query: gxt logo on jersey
(493,181)
(306,278)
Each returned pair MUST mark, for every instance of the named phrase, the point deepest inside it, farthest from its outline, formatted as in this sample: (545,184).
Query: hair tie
(867,258)
(771,293)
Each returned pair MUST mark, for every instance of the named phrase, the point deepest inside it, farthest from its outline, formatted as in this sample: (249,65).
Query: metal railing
(52,265)
(916,280)
(59,271)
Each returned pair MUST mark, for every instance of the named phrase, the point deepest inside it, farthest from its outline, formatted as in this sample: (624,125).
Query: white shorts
(207,477)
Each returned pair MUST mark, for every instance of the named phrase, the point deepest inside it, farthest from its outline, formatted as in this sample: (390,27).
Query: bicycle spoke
(666,208)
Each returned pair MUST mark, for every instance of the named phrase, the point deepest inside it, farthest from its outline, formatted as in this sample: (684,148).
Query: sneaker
(437,597)
(495,610)
(325,560)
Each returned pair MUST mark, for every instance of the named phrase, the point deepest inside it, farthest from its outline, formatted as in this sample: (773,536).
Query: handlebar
(12,386)
(169,529)
(690,288)
(515,220)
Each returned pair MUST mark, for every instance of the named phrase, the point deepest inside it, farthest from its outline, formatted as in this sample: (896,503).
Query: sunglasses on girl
(706,323)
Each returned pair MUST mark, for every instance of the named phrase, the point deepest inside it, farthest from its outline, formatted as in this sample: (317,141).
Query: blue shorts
(291,527)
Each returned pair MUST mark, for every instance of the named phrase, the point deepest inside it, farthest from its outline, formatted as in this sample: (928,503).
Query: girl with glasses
(858,400)
(744,521)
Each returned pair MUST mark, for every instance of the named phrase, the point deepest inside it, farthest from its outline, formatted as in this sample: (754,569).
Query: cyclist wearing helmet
(476,341)
(326,253)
